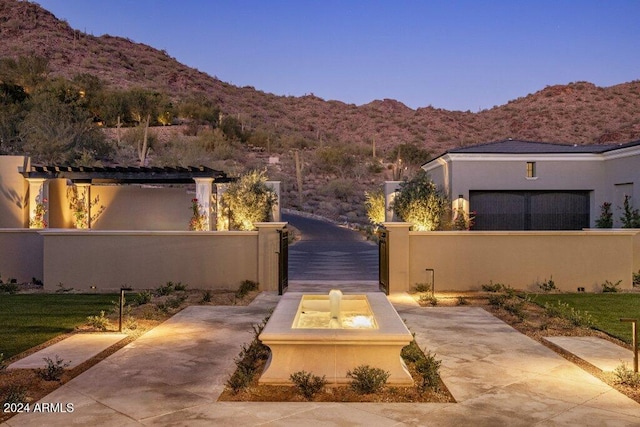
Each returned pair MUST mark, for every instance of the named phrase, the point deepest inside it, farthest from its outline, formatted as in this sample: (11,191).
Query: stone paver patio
(174,374)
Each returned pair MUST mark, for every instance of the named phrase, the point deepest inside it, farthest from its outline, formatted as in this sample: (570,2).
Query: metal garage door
(530,210)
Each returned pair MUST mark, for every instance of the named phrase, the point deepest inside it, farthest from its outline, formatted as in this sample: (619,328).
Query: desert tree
(422,204)
(248,200)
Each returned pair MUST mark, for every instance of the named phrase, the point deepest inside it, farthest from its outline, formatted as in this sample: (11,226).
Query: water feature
(330,334)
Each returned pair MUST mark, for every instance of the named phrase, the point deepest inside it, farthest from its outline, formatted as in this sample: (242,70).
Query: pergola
(83,176)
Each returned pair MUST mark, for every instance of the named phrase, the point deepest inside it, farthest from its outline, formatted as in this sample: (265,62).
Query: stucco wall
(20,254)
(466,260)
(13,193)
(143,260)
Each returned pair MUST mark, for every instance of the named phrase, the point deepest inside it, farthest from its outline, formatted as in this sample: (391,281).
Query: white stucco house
(524,185)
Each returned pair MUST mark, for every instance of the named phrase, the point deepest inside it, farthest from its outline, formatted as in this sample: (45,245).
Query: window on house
(531,169)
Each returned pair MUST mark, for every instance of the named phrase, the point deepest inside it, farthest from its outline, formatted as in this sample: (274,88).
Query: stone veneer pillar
(268,252)
(398,241)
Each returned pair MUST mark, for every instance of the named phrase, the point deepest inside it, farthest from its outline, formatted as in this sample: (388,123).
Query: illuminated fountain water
(332,334)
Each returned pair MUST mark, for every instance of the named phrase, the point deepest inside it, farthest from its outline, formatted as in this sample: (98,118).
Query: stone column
(38,193)
(203,194)
(268,248)
(399,268)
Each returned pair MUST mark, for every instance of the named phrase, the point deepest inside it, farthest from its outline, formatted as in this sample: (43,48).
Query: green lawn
(27,320)
(606,309)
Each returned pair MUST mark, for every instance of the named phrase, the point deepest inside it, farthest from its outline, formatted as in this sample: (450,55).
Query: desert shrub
(547,286)
(341,189)
(497,300)
(462,301)
(630,217)
(565,311)
(421,287)
(422,204)
(428,299)
(53,369)
(206,296)
(180,287)
(245,287)
(374,204)
(492,287)
(427,367)
(606,216)
(15,394)
(636,279)
(8,288)
(308,384)
(248,200)
(172,303)
(100,322)
(166,289)
(411,353)
(607,286)
(142,298)
(626,376)
(248,360)
(367,380)
(515,306)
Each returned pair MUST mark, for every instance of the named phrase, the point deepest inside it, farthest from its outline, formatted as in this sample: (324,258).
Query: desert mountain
(575,113)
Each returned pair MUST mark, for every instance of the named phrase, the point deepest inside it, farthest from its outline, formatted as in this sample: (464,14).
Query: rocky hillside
(579,113)
(576,113)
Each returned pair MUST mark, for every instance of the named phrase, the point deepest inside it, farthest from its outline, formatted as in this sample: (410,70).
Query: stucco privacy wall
(13,193)
(466,260)
(20,254)
(143,260)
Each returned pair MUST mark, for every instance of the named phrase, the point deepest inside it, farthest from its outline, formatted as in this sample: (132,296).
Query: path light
(122,291)
(634,337)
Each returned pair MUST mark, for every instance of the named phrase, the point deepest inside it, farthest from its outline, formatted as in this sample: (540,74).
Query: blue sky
(457,55)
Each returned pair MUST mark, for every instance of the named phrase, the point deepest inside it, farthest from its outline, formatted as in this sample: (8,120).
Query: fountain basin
(330,351)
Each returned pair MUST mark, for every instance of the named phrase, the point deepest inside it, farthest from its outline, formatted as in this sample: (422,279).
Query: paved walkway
(174,374)
(329,252)
(74,350)
(599,352)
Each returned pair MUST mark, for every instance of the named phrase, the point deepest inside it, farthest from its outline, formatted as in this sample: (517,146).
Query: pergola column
(203,194)
(38,193)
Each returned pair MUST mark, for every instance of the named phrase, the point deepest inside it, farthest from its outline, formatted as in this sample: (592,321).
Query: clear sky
(457,55)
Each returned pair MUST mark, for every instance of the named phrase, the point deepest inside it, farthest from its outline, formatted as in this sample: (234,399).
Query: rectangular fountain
(332,334)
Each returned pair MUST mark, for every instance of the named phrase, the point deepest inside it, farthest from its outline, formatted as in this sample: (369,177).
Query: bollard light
(122,291)
(634,337)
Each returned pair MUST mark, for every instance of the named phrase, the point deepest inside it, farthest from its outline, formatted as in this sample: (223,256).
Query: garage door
(530,210)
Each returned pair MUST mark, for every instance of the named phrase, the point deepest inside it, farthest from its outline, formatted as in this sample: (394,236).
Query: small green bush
(421,287)
(548,286)
(492,287)
(206,296)
(180,287)
(142,298)
(166,289)
(411,353)
(172,303)
(100,322)
(240,379)
(367,380)
(626,376)
(607,286)
(15,394)
(53,369)
(248,360)
(9,288)
(245,287)
(565,311)
(427,367)
(636,279)
(308,384)
(428,299)
(462,301)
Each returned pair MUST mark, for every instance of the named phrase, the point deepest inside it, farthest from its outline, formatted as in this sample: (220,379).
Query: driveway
(327,252)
